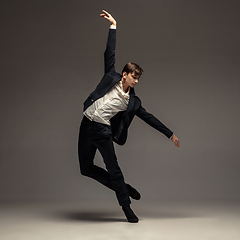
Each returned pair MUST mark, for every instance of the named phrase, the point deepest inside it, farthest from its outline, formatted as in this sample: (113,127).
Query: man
(108,112)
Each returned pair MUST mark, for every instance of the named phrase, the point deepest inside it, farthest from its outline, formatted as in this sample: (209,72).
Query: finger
(106,12)
(103,14)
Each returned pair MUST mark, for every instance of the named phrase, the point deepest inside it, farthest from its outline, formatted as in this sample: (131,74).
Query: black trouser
(93,136)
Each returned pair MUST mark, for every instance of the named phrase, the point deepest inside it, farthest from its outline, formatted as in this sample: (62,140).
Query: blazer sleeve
(153,122)
(109,54)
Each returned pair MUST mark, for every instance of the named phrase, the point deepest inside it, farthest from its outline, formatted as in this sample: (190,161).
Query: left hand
(175,141)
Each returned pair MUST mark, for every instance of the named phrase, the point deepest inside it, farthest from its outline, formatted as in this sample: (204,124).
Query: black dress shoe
(131,217)
(133,193)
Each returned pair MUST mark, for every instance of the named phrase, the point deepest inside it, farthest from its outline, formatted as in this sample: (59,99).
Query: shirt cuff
(113,27)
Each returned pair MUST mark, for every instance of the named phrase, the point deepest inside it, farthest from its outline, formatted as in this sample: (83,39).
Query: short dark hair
(133,67)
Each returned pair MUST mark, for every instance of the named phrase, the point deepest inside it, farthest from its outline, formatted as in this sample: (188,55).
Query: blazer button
(92,100)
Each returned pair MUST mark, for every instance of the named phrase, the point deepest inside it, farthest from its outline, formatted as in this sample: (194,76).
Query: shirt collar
(124,94)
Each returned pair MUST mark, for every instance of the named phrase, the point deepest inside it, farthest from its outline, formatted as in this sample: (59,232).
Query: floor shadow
(167,214)
(90,216)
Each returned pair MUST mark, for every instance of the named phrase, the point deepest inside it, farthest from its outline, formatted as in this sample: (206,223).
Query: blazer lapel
(130,107)
(131,100)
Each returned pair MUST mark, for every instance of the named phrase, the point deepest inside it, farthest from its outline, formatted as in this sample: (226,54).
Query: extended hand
(109,17)
(175,141)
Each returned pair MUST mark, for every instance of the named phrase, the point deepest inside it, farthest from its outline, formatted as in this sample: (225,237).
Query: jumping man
(108,113)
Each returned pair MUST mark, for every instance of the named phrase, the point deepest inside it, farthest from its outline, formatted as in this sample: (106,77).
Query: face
(130,79)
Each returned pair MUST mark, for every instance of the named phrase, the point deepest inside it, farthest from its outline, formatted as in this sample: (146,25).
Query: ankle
(131,217)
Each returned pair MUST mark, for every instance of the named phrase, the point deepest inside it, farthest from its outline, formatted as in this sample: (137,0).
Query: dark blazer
(122,120)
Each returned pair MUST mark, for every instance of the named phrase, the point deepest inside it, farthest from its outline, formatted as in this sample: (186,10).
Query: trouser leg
(106,148)
(93,136)
(86,154)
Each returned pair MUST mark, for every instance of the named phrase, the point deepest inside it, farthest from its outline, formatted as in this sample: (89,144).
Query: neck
(125,86)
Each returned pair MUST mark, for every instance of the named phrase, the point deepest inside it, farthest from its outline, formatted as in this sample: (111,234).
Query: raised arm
(109,54)
(109,17)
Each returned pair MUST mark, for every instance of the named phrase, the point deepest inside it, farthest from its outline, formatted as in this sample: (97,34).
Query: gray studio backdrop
(52,58)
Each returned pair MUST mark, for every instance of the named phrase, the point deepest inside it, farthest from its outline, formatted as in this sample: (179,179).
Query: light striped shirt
(103,109)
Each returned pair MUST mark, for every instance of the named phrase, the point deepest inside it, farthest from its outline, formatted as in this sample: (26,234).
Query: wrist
(113,26)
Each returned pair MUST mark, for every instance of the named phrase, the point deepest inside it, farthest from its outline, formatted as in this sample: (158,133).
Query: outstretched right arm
(109,54)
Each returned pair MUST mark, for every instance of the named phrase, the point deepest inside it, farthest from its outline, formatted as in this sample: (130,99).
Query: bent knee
(86,171)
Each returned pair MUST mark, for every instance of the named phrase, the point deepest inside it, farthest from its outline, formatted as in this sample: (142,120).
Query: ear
(124,75)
